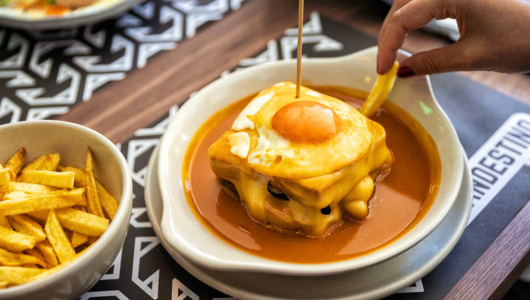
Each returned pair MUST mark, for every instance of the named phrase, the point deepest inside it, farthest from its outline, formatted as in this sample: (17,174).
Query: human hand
(494,36)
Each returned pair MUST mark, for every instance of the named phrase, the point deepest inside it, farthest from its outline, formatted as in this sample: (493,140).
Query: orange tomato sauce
(401,197)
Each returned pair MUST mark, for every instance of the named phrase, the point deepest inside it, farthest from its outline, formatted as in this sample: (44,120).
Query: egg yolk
(306,122)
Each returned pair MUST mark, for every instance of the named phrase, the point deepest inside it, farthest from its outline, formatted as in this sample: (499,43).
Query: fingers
(395,7)
(413,15)
(446,59)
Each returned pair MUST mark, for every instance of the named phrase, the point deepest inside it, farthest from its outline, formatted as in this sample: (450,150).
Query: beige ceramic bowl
(71,142)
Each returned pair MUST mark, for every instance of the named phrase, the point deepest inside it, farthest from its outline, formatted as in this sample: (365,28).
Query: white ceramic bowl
(190,238)
(71,142)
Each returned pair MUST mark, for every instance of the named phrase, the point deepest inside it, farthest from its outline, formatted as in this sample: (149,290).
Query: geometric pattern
(42,74)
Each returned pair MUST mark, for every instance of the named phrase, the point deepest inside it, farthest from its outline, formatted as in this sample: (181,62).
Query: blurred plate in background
(43,15)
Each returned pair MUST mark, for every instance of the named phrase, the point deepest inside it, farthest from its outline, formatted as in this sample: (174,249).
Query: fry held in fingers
(382,87)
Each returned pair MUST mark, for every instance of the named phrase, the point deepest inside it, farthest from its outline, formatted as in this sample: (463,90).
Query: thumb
(446,59)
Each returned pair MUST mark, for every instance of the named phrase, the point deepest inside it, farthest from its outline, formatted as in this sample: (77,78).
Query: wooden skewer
(299,52)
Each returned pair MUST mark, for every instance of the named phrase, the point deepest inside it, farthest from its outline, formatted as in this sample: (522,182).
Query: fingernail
(404,72)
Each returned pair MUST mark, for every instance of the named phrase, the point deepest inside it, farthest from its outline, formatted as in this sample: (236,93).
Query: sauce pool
(400,199)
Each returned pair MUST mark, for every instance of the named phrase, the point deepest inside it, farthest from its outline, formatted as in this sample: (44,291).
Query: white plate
(373,282)
(99,11)
(197,244)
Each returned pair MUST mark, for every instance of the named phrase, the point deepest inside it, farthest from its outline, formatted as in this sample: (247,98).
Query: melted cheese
(243,122)
(239,143)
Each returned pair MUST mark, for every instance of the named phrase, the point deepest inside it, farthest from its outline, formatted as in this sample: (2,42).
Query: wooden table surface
(121,108)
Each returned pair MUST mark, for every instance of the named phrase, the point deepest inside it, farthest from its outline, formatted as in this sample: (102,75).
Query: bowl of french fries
(65,205)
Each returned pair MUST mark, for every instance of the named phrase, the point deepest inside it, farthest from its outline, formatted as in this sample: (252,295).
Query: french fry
(48,162)
(28,188)
(78,239)
(15,195)
(18,275)
(49,178)
(58,239)
(25,225)
(3,284)
(47,251)
(40,215)
(44,220)
(82,222)
(35,164)
(1,169)
(59,267)
(76,221)
(382,87)
(93,203)
(108,203)
(5,176)
(17,259)
(35,253)
(51,162)
(16,162)
(15,241)
(4,222)
(79,178)
(36,202)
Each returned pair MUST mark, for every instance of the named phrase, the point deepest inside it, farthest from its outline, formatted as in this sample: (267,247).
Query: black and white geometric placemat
(43,74)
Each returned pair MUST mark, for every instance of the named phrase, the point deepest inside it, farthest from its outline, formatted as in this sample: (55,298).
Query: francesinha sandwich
(301,165)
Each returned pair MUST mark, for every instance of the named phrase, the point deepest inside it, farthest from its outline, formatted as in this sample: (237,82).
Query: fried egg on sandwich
(300,164)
